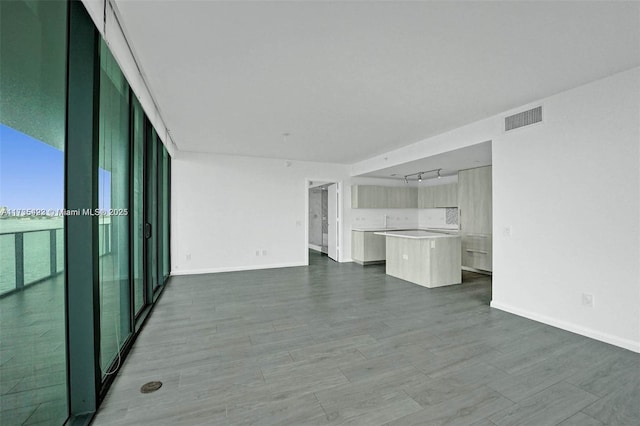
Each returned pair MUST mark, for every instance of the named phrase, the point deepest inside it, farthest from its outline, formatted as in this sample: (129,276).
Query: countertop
(416,234)
(380,229)
(448,230)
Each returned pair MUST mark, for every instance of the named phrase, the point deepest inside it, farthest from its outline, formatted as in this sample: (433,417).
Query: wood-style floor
(342,344)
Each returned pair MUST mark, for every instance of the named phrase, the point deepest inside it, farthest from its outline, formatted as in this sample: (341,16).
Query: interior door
(332,221)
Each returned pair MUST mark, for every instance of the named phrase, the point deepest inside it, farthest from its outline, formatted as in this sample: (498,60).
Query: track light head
(439,173)
(419,178)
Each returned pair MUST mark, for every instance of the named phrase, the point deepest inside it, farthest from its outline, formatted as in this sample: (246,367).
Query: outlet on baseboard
(587,300)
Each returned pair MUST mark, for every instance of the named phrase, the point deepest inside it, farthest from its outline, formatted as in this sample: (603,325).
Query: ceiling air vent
(522,119)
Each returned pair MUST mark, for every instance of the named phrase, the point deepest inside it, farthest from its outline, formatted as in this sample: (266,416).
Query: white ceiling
(350,80)
(449,163)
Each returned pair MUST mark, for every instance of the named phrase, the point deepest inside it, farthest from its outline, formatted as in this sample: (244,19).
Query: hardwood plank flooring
(333,344)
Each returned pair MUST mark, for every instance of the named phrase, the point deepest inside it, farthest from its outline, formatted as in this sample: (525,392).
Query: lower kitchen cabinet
(367,248)
(477,251)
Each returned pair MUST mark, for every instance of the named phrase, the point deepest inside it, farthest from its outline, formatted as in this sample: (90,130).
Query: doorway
(323,218)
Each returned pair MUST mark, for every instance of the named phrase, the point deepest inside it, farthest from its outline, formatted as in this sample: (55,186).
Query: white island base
(424,258)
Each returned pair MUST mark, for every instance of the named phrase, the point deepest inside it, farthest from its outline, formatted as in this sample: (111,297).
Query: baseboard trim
(237,268)
(574,328)
(315,247)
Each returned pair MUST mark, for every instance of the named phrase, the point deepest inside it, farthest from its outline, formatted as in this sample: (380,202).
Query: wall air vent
(522,119)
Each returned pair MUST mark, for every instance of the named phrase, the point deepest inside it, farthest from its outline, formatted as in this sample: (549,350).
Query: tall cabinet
(474,202)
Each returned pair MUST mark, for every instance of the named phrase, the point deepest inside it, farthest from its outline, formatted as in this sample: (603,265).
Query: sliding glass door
(84,214)
(33,67)
(113,214)
(151,210)
(137,206)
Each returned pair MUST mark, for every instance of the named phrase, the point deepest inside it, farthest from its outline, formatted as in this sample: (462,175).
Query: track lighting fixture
(419,175)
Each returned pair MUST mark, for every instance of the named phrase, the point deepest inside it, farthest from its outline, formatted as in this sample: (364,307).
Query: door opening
(323,218)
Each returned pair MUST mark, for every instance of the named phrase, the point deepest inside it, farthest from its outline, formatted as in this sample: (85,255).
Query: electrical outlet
(405,257)
(264,252)
(507,231)
(257,252)
(587,300)
(188,256)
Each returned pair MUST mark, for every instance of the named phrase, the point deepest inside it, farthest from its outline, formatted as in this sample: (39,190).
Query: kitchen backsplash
(451,214)
(446,218)
(438,218)
(375,218)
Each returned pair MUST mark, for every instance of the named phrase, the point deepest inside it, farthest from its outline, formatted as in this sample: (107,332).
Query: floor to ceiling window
(33,374)
(113,205)
(165,188)
(69,120)
(151,211)
(137,212)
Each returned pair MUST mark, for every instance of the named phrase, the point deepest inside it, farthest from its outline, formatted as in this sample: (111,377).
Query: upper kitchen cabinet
(438,196)
(426,197)
(474,200)
(402,197)
(368,197)
(383,197)
(445,195)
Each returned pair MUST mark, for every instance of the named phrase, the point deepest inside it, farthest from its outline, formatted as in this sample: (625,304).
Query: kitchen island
(425,258)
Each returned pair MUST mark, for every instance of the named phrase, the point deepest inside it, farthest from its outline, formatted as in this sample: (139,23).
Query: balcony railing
(33,256)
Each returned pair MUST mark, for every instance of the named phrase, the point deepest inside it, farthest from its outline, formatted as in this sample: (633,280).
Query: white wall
(225,208)
(569,191)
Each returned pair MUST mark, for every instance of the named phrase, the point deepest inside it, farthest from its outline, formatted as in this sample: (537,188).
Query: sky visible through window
(32,174)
